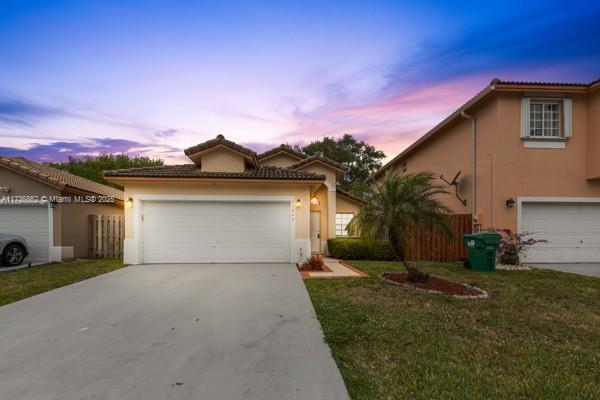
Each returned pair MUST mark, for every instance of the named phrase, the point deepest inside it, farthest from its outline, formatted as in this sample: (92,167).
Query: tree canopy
(91,167)
(361,158)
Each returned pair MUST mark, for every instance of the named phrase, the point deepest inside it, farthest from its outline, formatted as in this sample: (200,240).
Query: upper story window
(545,118)
(404,167)
(341,223)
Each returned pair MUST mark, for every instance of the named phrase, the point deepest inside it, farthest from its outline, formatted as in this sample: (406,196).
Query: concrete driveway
(590,269)
(169,332)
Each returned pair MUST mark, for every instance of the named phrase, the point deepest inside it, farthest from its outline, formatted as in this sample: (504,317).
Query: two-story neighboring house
(529,156)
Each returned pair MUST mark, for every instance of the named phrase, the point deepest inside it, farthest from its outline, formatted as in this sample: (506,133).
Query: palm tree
(400,204)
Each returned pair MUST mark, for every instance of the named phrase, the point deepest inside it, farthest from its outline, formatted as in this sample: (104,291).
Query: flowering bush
(513,245)
(312,263)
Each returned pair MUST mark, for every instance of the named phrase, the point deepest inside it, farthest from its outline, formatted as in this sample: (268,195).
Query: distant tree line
(91,167)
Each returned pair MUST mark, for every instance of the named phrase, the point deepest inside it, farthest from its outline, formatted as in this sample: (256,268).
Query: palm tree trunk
(414,275)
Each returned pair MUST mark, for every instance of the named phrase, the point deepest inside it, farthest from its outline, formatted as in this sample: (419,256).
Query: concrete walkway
(169,332)
(335,269)
(589,269)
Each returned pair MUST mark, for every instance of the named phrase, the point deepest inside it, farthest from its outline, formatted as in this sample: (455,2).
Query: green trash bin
(482,248)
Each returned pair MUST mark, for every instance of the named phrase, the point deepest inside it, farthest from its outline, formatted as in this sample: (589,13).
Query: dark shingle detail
(322,159)
(347,195)
(220,140)
(193,171)
(525,83)
(282,148)
(58,178)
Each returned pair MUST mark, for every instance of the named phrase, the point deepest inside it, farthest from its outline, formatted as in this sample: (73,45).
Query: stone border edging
(484,294)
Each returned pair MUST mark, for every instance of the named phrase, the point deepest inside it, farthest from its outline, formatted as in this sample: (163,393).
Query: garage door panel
(207,231)
(573,230)
(32,223)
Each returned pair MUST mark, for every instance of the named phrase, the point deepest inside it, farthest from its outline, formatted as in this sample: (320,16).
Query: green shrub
(361,249)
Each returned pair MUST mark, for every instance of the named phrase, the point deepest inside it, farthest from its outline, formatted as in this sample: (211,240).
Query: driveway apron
(229,331)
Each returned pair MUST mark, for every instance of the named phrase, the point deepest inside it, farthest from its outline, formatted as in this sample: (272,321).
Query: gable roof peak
(220,140)
(286,148)
(321,159)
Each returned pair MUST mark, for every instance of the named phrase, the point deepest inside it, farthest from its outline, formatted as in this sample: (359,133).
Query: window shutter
(567,116)
(525,110)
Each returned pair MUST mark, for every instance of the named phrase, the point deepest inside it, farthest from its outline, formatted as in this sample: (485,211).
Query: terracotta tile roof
(322,159)
(284,148)
(525,83)
(57,177)
(220,140)
(193,171)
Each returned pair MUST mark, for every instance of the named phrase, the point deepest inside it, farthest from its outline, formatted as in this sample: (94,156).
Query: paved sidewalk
(337,269)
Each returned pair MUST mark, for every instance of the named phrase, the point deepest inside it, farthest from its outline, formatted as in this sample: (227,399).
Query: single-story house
(233,205)
(51,208)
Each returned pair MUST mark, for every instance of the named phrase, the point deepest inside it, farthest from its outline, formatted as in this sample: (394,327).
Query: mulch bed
(436,285)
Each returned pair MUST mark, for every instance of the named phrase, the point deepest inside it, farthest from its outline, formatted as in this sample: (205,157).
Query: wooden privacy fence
(434,246)
(106,236)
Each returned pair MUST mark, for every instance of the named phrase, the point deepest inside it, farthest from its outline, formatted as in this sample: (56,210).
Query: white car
(13,250)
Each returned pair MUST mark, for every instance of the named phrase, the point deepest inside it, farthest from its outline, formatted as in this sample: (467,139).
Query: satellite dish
(455,184)
(454,181)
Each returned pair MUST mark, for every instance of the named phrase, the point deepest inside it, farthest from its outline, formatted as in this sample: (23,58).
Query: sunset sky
(155,77)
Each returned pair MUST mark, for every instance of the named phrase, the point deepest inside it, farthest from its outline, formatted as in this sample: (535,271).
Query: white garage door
(215,232)
(573,230)
(31,222)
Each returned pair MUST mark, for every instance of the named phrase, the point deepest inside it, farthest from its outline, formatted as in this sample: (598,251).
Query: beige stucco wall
(76,225)
(593,151)
(221,159)
(505,168)
(344,205)
(282,160)
(298,191)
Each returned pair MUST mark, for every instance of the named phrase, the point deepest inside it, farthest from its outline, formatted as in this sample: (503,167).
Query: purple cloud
(166,133)
(61,150)
(17,112)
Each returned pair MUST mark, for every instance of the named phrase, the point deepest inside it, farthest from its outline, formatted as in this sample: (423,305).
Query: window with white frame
(404,167)
(545,118)
(341,223)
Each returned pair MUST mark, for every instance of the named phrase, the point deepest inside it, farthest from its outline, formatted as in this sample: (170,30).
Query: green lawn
(536,337)
(19,284)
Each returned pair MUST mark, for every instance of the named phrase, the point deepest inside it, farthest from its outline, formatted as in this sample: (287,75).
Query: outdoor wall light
(53,203)
(510,203)
(314,201)
(129,202)
(298,203)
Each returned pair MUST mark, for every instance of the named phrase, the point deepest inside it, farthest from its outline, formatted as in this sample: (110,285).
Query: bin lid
(490,237)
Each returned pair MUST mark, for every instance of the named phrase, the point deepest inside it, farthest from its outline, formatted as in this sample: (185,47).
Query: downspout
(474,164)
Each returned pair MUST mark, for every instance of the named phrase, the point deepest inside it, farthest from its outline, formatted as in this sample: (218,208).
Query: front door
(315,231)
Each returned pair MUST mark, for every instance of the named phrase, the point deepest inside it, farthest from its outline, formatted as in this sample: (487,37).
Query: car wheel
(13,255)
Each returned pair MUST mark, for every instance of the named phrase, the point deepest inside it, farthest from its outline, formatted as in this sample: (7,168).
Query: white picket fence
(107,235)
